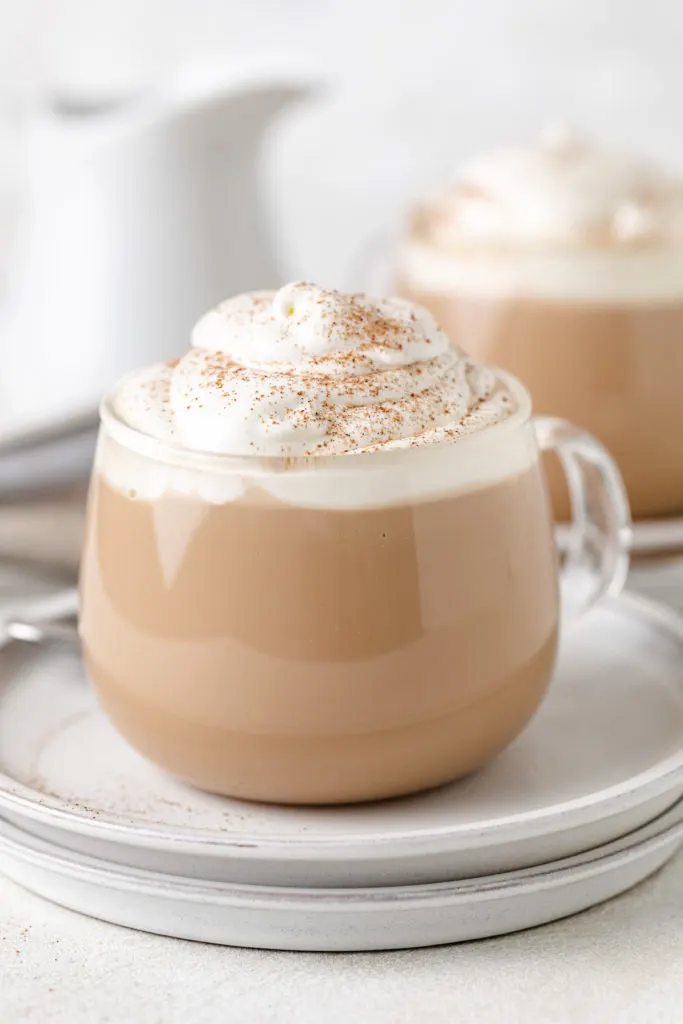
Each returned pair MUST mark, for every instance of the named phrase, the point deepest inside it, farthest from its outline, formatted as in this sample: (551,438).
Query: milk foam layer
(609,277)
(304,373)
(400,477)
(563,219)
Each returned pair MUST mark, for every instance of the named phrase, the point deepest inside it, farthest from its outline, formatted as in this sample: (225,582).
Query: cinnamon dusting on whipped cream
(305,371)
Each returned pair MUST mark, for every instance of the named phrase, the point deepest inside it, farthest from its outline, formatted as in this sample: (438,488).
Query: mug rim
(173,453)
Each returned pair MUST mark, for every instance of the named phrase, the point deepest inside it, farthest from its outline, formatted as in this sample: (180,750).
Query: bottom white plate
(391,917)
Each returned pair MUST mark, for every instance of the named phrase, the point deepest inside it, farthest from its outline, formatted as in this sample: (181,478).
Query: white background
(418,84)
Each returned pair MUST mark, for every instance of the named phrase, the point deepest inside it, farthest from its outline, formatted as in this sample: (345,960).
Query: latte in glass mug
(319,562)
(563,263)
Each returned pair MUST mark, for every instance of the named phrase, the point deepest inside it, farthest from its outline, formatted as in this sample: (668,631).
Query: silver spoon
(47,618)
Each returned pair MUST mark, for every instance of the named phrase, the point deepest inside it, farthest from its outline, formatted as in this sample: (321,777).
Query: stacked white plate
(586,803)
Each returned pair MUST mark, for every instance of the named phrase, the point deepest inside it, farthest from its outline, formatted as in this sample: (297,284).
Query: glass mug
(594,333)
(342,628)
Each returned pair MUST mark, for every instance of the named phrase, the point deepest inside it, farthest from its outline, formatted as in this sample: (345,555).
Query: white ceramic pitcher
(137,217)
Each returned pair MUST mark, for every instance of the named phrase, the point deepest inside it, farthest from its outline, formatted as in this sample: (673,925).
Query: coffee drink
(319,563)
(564,265)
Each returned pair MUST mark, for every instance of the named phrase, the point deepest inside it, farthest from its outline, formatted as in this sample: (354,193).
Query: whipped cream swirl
(564,189)
(305,371)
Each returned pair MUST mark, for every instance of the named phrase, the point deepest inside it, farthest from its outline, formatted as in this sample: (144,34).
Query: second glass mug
(342,628)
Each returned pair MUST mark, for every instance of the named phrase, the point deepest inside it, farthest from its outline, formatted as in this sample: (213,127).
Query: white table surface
(621,962)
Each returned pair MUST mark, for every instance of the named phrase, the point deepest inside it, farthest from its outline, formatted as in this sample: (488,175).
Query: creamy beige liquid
(280,653)
(615,370)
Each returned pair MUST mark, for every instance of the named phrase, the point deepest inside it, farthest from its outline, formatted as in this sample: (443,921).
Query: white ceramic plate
(603,756)
(24,586)
(660,580)
(657,535)
(649,537)
(40,457)
(393,917)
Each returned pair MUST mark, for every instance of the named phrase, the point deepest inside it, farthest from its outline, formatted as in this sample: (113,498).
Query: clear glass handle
(596,554)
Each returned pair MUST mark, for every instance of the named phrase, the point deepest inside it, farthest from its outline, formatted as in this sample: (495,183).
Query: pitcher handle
(596,557)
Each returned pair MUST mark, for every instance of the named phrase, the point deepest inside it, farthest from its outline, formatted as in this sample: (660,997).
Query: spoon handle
(48,618)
